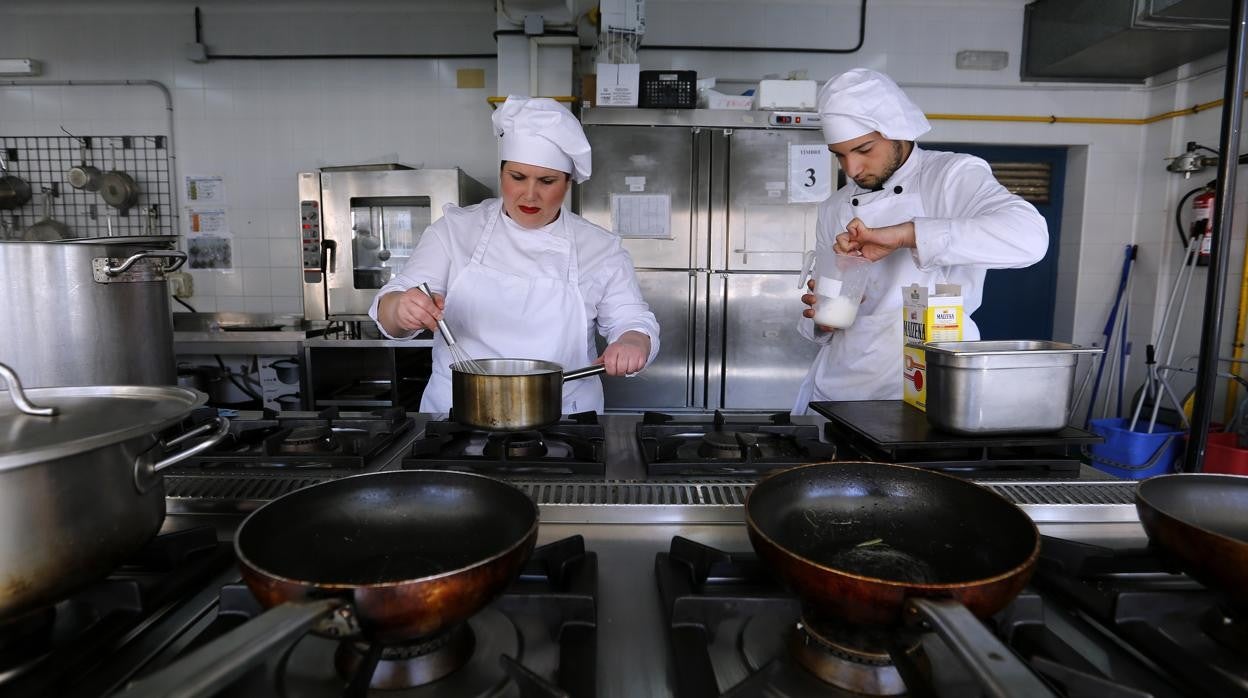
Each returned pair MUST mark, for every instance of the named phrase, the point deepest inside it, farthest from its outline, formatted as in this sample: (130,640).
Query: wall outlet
(181,284)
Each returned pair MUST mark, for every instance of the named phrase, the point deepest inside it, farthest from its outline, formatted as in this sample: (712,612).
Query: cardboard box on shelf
(926,317)
(618,84)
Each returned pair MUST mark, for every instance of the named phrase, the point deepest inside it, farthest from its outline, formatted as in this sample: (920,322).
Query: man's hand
(874,243)
(407,311)
(627,354)
(809,299)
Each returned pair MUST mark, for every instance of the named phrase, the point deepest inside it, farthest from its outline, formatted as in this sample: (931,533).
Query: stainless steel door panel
(666,383)
(635,161)
(338,189)
(764,230)
(764,358)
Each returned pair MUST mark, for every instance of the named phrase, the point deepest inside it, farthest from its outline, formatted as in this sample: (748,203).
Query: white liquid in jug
(836,312)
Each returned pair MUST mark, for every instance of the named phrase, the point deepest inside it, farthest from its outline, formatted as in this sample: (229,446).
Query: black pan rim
(1029,562)
(523,540)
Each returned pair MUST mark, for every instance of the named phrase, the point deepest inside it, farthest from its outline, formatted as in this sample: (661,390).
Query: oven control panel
(310,223)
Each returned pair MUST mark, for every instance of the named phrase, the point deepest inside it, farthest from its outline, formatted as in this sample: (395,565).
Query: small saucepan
(512,394)
(287,370)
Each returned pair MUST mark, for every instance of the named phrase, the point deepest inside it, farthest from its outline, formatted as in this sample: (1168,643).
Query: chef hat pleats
(860,101)
(540,131)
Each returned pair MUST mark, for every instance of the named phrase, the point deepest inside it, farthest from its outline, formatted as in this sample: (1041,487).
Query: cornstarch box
(926,317)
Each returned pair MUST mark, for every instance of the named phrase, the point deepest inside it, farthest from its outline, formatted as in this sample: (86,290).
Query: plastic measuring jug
(840,281)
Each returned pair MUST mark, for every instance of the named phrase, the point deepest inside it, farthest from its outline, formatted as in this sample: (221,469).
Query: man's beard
(869,181)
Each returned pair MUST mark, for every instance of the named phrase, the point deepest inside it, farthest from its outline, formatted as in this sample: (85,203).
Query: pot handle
(145,471)
(228,657)
(998,670)
(584,372)
(24,405)
(178,256)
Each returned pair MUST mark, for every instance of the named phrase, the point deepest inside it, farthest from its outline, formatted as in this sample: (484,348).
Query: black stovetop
(727,444)
(575,445)
(891,431)
(536,640)
(1093,622)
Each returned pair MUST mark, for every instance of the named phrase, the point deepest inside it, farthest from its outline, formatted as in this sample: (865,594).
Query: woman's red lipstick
(529,210)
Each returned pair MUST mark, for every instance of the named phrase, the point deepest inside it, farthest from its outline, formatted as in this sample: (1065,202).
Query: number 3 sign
(810,173)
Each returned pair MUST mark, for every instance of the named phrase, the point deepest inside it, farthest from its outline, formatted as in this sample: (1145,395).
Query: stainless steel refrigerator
(717,209)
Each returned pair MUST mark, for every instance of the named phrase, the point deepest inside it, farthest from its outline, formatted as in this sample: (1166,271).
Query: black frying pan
(855,541)
(395,557)
(1201,521)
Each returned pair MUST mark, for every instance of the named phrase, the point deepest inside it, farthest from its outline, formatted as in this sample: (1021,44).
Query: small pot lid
(88,417)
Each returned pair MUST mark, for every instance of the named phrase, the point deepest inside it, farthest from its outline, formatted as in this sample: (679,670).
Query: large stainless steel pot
(88,311)
(80,489)
(511,394)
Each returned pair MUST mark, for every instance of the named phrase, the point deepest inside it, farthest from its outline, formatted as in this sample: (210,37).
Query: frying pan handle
(998,670)
(584,372)
(228,657)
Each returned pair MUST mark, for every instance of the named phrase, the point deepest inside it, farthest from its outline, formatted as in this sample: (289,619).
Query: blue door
(1018,303)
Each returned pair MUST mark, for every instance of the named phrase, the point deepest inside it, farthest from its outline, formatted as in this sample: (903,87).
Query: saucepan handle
(999,671)
(228,657)
(584,372)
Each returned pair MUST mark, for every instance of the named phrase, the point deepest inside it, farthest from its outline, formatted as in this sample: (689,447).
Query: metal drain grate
(636,493)
(225,488)
(1066,493)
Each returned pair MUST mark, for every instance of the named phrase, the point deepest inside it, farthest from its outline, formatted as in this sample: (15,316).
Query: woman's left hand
(627,354)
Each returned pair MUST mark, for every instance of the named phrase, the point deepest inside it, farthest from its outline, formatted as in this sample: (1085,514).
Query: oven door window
(384,231)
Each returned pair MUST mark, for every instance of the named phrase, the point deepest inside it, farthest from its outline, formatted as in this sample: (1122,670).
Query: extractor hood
(1119,40)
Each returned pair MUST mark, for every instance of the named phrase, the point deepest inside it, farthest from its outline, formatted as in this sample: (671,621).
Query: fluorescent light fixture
(19,67)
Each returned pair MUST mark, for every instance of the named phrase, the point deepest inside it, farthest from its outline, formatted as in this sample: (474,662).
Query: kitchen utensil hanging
(82,176)
(14,191)
(119,189)
(47,229)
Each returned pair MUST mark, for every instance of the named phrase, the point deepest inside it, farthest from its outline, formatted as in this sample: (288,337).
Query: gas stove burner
(854,658)
(523,444)
(310,440)
(732,445)
(313,667)
(410,665)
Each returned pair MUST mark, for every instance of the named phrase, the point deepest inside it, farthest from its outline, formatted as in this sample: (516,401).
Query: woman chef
(922,216)
(520,276)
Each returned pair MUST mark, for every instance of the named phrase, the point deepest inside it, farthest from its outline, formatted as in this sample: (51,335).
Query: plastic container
(1223,456)
(1134,455)
(840,281)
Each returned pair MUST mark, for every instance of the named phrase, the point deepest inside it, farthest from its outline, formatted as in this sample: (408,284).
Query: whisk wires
(461,361)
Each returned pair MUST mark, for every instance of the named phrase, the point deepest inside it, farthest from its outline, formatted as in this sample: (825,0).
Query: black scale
(891,431)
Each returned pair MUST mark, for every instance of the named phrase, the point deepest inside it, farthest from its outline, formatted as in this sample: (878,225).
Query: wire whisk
(461,361)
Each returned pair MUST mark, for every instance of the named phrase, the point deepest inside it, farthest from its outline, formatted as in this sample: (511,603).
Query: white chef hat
(540,131)
(860,101)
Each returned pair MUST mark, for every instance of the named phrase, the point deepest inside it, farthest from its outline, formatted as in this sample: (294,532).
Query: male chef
(922,216)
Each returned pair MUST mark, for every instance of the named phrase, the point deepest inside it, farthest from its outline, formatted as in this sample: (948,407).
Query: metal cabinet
(721,271)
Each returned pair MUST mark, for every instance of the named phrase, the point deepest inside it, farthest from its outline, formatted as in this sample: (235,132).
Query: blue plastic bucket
(1134,455)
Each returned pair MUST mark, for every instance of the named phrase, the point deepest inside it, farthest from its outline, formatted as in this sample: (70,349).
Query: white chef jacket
(606,277)
(965,223)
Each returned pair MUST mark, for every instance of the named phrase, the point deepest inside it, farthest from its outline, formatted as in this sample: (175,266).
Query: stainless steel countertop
(632,640)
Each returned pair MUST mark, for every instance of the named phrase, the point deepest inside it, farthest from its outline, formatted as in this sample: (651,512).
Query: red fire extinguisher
(1202,223)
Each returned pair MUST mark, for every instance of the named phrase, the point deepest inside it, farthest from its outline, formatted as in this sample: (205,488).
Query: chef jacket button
(853,202)
(897,189)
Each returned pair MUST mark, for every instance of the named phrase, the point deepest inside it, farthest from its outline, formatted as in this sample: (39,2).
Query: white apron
(863,362)
(518,313)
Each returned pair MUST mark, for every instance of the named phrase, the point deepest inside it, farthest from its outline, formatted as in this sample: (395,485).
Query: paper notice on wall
(210,252)
(207,221)
(642,215)
(204,189)
(810,173)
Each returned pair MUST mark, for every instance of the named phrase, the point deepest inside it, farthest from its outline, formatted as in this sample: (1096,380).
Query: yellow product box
(926,317)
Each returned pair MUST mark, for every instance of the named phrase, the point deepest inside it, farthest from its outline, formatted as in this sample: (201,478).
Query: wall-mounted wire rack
(44,162)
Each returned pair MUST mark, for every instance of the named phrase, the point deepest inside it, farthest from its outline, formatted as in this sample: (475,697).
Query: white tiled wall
(259,123)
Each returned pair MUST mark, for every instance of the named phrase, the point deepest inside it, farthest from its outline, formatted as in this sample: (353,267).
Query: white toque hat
(540,131)
(860,101)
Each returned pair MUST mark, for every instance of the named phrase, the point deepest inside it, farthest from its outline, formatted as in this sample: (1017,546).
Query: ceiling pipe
(1228,163)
